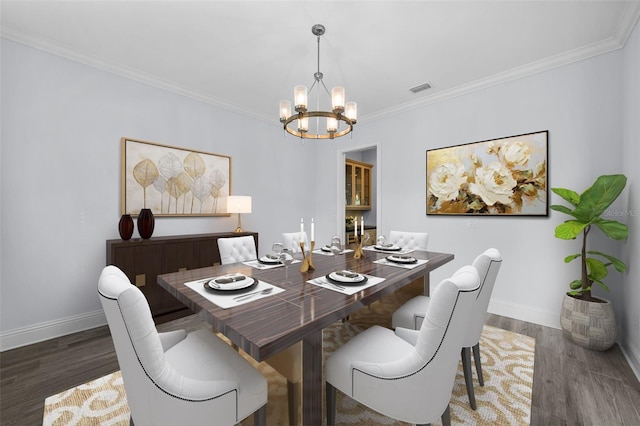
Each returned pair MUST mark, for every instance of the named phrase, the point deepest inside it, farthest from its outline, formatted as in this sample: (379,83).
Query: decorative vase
(146,222)
(125,226)
(591,325)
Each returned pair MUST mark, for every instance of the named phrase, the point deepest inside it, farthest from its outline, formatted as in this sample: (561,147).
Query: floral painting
(173,181)
(506,176)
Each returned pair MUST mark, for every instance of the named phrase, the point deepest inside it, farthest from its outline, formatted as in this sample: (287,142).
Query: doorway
(365,154)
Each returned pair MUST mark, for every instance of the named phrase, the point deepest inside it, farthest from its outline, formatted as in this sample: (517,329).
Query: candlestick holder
(307,261)
(358,253)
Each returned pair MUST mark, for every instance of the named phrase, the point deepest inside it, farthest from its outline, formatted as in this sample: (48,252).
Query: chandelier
(339,121)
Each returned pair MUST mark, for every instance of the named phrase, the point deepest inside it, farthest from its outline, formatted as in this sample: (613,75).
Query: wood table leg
(312,383)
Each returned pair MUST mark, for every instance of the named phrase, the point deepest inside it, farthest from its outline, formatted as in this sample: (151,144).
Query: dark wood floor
(571,385)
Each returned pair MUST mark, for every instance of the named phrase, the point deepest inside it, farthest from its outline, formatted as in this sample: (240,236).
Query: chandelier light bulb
(337,99)
(351,111)
(285,110)
(303,125)
(300,98)
(332,125)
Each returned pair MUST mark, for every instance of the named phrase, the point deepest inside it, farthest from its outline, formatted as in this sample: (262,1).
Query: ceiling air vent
(421,87)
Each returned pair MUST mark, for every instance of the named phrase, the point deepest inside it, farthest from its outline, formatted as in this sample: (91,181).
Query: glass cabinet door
(367,190)
(358,185)
(357,181)
(348,179)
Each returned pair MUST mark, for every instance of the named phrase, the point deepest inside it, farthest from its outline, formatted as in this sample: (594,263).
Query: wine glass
(336,249)
(381,241)
(277,249)
(286,257)
(365,239)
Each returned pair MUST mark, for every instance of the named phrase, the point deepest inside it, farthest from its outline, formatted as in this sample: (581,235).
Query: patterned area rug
(505,399)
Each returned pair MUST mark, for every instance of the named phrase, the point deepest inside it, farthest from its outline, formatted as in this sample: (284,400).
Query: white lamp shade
(352,111)
(337,99)
(238,204)
(285,110)
(332,124)
(303,124)
(300,97)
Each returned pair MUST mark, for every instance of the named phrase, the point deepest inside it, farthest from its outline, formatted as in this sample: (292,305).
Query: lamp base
(239,229)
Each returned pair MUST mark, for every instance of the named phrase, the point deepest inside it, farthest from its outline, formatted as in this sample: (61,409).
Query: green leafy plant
(587,211)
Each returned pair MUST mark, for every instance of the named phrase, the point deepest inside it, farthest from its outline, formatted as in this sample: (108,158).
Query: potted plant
(587,320)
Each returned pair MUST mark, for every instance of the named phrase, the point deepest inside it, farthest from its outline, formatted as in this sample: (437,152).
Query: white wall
(61,129)
(630,318)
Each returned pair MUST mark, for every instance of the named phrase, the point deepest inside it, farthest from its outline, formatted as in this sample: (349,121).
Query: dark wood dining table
(268,325)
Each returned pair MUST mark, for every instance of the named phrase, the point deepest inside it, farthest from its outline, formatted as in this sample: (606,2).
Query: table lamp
(239,204)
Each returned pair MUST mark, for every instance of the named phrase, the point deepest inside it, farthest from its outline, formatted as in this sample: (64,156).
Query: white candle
(301,229)
(362,225)
(313,237)
(355,229)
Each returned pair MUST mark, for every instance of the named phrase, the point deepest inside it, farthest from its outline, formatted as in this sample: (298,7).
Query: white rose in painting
(515,154)
(494,184)
(445,181)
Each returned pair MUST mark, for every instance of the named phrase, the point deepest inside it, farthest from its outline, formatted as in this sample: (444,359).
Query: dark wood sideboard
(143,260)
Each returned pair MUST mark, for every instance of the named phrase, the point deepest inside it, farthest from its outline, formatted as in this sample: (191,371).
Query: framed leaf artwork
(173,181)
(498,177)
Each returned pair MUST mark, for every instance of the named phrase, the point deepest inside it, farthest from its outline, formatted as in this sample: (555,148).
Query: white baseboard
(525,313)
(632,354)
(48,330)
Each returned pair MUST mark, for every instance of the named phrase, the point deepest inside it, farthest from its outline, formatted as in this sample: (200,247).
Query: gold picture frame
(173,181)
(498,177)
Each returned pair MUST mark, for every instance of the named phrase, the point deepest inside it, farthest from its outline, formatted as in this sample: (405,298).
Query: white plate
(326,248)
(401,259)
(356,278)
(220,283)
(387,248)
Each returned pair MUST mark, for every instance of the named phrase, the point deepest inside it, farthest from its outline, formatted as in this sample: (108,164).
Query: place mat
(385,261)
(258,265)
(226,301)
(328,253)
(401,251)
(348,289)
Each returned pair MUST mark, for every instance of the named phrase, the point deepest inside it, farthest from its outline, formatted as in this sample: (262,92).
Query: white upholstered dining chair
(409,240)
(291,240)
(176,378)
(412,313)
(237,249)
(407,375)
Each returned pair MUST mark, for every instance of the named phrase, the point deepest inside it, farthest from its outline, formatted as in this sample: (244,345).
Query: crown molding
(537,67)
(101,64)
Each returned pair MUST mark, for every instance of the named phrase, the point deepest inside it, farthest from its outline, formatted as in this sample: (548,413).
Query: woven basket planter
(591,325)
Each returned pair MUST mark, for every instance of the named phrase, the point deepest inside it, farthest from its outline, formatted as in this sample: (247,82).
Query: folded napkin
(348,289)
(328,253)
(385,261)
(232,299)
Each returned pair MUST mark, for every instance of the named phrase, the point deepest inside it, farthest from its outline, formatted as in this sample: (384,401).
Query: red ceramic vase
(125,226)
(146,223)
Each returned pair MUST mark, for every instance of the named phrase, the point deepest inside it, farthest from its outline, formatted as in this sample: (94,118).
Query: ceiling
(247,55)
